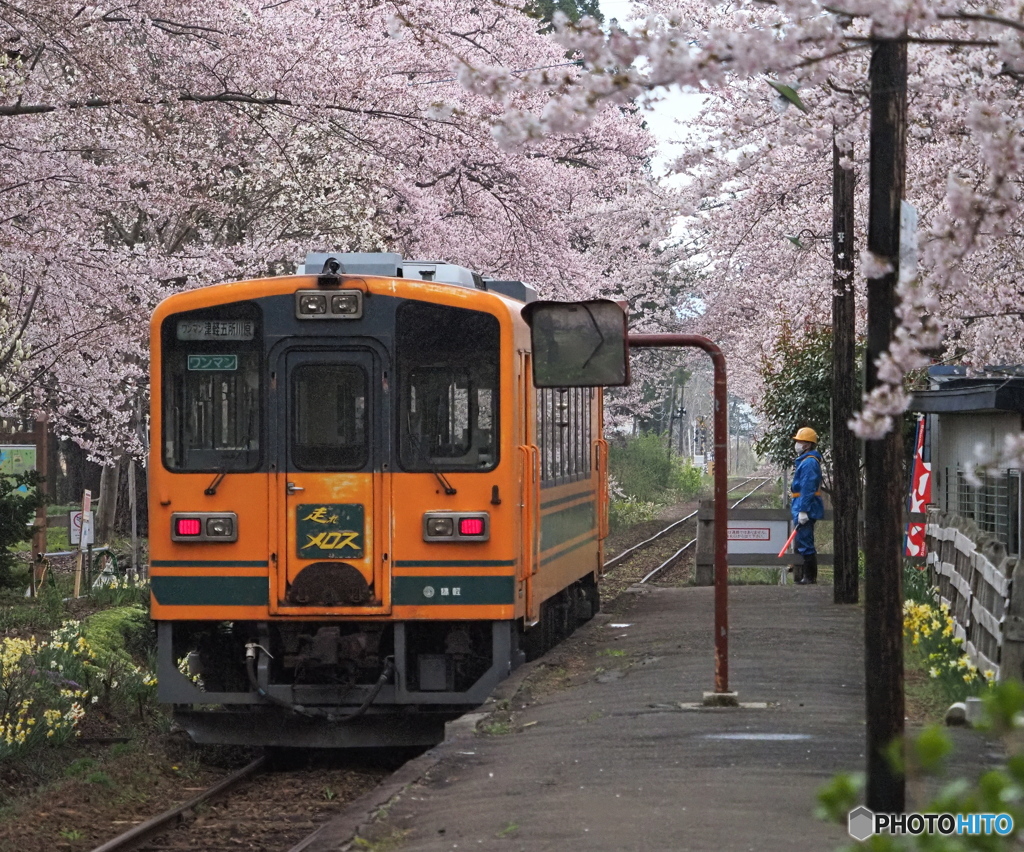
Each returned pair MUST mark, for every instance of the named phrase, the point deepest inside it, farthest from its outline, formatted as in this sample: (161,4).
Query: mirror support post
(721,694)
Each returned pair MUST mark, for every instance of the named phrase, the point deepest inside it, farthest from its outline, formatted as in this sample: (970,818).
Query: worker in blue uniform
(807,506)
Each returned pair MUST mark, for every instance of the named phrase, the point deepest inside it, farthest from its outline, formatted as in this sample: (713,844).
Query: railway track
(258,807)
(262,807)
(683,528)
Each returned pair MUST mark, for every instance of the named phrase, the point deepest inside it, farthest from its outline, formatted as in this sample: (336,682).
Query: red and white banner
(920,493)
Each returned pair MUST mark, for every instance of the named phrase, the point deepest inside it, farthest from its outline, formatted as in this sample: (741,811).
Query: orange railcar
(363,515)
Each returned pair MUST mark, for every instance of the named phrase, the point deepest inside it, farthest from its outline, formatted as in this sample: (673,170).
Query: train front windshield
(447,361)
(448,382)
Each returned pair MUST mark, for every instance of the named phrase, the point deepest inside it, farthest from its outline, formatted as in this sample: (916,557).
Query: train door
(530,479)
(331,447)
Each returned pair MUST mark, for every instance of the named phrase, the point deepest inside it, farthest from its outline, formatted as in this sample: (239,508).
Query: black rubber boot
(810,572)
(798,573)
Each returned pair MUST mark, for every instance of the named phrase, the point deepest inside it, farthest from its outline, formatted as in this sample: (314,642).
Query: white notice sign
(750,534)
(75,529)
(757,536)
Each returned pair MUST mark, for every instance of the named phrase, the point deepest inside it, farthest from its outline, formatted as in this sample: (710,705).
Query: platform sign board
(17,458)
(75,528)
(757,536)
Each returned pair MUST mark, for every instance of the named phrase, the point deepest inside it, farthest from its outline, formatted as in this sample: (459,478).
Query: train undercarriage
(338,684)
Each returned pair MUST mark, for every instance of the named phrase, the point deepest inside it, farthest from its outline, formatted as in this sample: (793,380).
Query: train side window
(212,389)
(564,433)
(328,417)
(448,386)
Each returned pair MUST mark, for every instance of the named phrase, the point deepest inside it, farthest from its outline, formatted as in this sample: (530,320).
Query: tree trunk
(108,503)
(845,456)
(883,459)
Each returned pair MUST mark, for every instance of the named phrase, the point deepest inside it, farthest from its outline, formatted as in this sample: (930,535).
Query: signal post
(580,344)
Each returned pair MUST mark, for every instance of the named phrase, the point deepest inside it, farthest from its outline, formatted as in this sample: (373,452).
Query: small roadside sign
(75,527)
(84,537)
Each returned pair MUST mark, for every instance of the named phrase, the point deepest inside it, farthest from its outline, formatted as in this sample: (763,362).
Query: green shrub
(43,689)
(20,496)
(117,632)
(686,478)
(625,513)
(46,687)
(112,590)
(997,791)
(646,472)
(930,628)
(915,584)
(116,635)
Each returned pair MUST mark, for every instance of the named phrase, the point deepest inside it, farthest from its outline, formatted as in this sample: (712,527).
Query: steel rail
(619,557)
(672,559)
(145,830)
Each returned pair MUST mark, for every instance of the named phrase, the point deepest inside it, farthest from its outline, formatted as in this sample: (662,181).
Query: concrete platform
(605,744)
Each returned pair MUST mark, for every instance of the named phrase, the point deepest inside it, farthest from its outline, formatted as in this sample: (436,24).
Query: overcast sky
(674,104)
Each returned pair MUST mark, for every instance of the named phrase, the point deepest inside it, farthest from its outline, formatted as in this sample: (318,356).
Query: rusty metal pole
(721,426)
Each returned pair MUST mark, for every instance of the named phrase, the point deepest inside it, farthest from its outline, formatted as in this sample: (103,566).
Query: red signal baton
(789,541)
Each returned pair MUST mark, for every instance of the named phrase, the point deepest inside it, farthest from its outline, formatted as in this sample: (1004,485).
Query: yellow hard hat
(806,433)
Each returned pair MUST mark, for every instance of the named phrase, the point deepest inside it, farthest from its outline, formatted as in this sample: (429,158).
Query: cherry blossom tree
(763,173)
(965,71)
(154,146)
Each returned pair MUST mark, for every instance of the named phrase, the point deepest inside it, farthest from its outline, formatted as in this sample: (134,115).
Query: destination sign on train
(216,329)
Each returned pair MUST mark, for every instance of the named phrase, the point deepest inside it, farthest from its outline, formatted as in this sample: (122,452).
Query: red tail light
(204,526)
(187,526)
(471,526)
(456,526)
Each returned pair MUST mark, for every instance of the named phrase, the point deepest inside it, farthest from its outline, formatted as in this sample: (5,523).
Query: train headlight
(316,304)
(345,303)
(456,526)
(312,304)
(440,527)
(204,526)
(220,527)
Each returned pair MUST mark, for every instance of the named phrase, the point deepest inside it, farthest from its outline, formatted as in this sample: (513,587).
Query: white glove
(802,518)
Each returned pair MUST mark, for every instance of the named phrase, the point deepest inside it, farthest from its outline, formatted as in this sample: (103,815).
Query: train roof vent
(388,264)
(512,289)
(392,265)
(443,273)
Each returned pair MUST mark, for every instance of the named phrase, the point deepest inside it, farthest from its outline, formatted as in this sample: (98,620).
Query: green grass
(496,729)
(754,576)
(391,839)
(925,696)
(99,777)
(80,767)
(823,536)
(45,612)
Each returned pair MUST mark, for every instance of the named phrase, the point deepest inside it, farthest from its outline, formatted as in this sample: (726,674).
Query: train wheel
(590,604)
(532,640)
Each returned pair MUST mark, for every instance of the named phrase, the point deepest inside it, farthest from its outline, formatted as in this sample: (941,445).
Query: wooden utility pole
(671,417)
(883,458)
(845,458)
